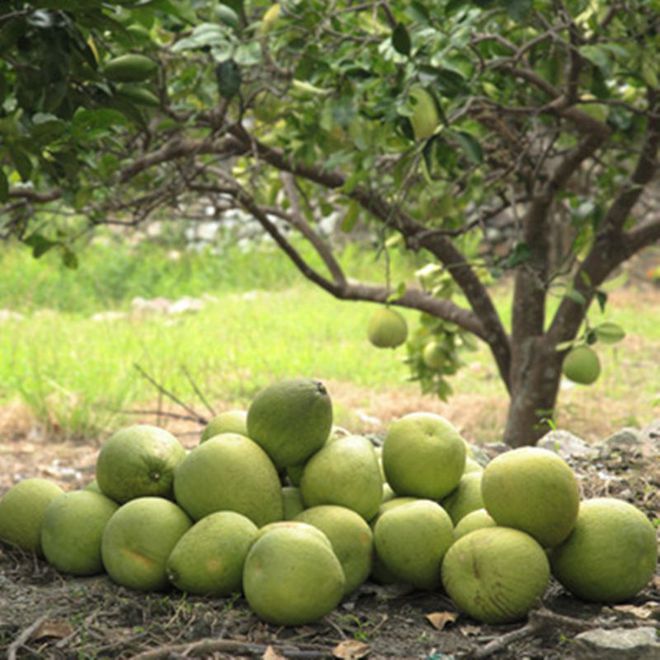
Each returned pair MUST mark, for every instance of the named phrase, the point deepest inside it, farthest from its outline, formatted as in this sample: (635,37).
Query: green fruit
(22,510)
(474,520)
(138,461)
(495,575)
(581,365)
(294,474)
(208,559)
(230,421)
(93,485)
(472,466)
(423,456)
(291,420)
(139,95)
(465,498)
(351,539)
(425,118)
(139,538)
(229,472)
(411,540)
(344,473)
(291,579)
(292,501)
(130,68)
(610,555)
(533,490)
(313,532)
(387,328)
(72,530)
(392,503)
(433,355)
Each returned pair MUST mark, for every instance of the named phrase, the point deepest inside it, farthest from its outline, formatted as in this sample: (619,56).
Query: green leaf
(69,258)
(564,345)
(609,333)
(470,146)
(22,161)
(601,297)
(351,217)
(518,9)
(576,297)
(598,56)
(401,39)
(39,244)
(519,255)
(4,187)
(228,77)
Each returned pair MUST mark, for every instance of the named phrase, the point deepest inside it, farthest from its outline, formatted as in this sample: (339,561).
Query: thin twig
(24,637)
(161,413)
(197,391)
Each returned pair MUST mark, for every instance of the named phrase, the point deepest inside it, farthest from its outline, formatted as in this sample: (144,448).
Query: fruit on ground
(475,520)
(230,421)
(423,456)
(533,490)
(138,461)
(208,559)
(411,540)
(351,539)
(290,578)
(294,474)
(129,68)
(290,420)
(424,118)
(345,473)
(139,538)
(229,472)
(611,553)
(387,328)
(93,485)
(465,498)
(72,530)
(22,511)
(299,525)
(292,502)
(472,466)
(581,365)
(495,575)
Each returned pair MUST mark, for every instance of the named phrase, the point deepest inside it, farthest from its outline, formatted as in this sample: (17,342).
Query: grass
(76,374)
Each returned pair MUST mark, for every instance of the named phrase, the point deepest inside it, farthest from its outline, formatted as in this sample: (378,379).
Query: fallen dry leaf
(645,611)
(440,619)
(470,630)
(271,654)
(56,628)
(351,649)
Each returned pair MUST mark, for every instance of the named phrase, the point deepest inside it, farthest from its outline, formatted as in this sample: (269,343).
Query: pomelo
(387,328)
(229,472)
(289,578)
(472,466)
(138,461)
(351,539)
(411,540)
(345,473)
(474,520)
(72,530)
(230,421)
(465,498)
(533,490)
(313,532)
(433,355)
(139,538)
(423,456)
(208,559)
(610,555)
(292,502)
(290,420)
(496,574)
(93,485)
(581,365)
(22,510)
(294,474)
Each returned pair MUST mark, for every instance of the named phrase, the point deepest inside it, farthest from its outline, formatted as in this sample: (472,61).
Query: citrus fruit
(292,502)
(229,472)
(22,510)
(351,539)
(387,328)
(138,461)
(611,553)
(313,532)
(472,466)
(581,365)
(291,420)
(423,456)
(230,421)
(289,578)
(495,574)
(474,520)
(208,559)
(72,530)
(93,485)
(411,540)
(424,118)
(433,355)
(346,473)
(465,498)
(294,474)
(138,539)
(533,490)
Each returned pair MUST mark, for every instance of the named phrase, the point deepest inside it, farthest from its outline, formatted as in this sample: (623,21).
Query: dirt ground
(44,614)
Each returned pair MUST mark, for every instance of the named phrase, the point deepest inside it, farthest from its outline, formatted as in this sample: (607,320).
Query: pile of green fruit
(295,513)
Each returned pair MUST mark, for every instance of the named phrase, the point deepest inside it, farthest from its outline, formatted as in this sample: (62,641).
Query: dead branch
(23,637)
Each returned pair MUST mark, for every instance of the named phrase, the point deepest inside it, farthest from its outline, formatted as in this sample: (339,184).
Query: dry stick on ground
(197,391)
(24,637)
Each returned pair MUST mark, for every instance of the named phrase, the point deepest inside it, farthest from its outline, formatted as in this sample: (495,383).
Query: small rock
(493,449)
(627,441)
(617,643)
(649,438)
(566,445)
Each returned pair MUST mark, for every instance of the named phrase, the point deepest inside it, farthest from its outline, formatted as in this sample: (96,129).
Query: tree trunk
(534,392)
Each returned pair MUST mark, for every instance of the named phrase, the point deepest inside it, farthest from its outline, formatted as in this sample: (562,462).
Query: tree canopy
(530,125)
